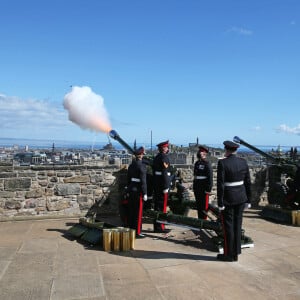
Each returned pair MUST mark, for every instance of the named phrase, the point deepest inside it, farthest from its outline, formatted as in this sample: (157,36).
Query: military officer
(137,189)
(234,194)
(161,181)
(203,181)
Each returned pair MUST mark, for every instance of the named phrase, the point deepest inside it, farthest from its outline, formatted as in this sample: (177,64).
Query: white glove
(165,191)
(145,198)
(247,205)
(221,207)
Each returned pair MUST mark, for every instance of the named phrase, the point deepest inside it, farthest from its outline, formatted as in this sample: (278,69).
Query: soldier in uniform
(149,203)
(293,195)
(137,190)
(161,182)
(234,195)
(203,181)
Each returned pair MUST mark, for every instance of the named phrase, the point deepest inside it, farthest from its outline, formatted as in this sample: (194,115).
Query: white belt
(135,179)
(235,183)
(160,173)
(200,177)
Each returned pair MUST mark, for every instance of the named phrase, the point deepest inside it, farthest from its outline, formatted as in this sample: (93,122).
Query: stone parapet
(47,190)
(258,180)
(72,190)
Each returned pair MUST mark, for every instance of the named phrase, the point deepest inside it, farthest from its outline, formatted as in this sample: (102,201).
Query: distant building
(108,146)
(193,145)
(180,158)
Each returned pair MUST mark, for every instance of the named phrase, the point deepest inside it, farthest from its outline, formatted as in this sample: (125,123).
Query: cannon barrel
(113,134)
(238,140)
(183,220)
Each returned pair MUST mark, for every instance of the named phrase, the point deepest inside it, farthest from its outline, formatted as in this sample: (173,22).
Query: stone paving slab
(20,290)
(78,286)
(39,260)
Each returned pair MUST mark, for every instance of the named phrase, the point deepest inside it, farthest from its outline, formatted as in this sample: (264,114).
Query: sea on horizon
(48,144)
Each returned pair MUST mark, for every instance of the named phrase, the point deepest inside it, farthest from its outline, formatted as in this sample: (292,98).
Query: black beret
(230,145)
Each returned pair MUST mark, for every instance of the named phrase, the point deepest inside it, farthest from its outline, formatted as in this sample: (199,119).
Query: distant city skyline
(180,70)
(47,144)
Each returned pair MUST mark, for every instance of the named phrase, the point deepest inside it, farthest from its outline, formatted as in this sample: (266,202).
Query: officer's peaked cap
(163,144)
(230,145)
(139,151)
(203,149)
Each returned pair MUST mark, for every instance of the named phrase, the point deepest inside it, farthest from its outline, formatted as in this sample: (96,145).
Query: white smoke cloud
(87,109)
(290,130)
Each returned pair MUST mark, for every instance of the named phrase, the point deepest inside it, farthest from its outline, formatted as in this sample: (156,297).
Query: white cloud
(256,128)
(240,31)
(290,130)
(20,114)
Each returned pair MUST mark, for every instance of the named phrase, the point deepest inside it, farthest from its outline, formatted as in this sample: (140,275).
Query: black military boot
(223,257)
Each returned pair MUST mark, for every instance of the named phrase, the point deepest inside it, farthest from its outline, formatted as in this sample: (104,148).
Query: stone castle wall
(258,179)
(72,190)
(68,190)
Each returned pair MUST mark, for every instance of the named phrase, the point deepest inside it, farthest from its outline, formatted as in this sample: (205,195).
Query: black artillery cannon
(283,178)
